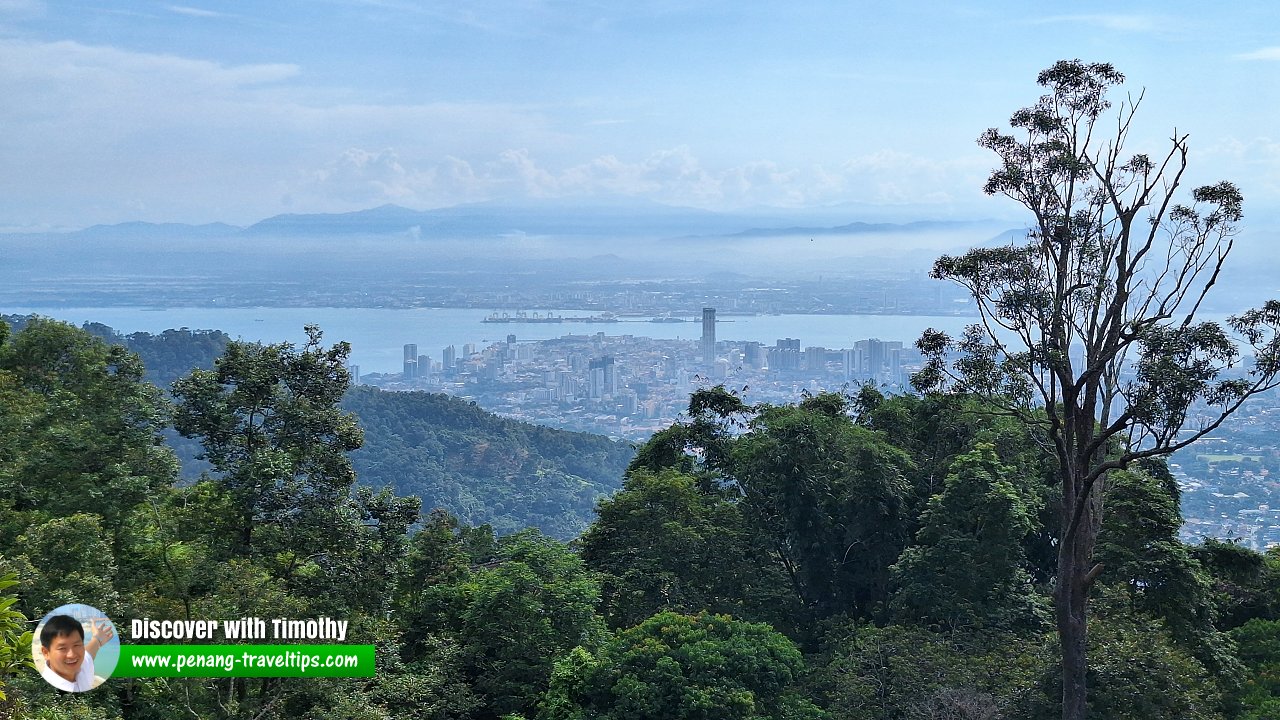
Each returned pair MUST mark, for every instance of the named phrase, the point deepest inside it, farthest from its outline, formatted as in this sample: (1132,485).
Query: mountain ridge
(608,217)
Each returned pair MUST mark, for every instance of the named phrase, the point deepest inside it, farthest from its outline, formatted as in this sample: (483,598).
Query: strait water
(377,335)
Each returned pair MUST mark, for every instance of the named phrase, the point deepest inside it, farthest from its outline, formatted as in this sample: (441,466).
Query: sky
(201,111)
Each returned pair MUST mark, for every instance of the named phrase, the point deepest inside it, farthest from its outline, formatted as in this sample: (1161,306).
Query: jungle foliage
(848,556)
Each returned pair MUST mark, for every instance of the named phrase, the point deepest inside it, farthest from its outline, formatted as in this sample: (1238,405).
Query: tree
(969,568)
(682,667)
(1140,672)
(269,420)
(912,673)
(828,499)
(831,496)
(529,601)
(664,544)
(1259,642)
(1156,572)
(1093,319)
(1246,583)
(15,641)
(79,430)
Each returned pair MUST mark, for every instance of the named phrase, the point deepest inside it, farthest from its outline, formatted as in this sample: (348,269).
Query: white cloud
(89,129)
(1267,53)
(21,7)
(362,178)
(94,71)
(1253,164)
(194,11)
(1109,21)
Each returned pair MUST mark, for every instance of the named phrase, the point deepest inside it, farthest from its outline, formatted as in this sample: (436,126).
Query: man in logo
(68,660)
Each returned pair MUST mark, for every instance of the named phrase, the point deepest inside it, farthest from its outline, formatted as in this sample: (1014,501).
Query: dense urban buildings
(630,386)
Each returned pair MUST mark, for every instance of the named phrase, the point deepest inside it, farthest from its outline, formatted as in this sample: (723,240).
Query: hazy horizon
(220,112)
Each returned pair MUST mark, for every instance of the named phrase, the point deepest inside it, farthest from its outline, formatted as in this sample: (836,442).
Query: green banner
(207,661)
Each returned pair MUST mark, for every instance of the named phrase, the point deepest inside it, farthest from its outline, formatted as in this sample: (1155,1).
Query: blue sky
(210,110)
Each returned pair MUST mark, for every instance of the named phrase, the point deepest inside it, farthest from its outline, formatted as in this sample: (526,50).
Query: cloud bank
(362,177)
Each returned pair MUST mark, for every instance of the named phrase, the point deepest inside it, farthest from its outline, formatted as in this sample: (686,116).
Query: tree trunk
(1076,573)
(1070,601)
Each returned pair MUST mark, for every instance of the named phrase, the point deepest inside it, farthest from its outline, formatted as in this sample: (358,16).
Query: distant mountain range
(392,254)
(495,220)
(138,229)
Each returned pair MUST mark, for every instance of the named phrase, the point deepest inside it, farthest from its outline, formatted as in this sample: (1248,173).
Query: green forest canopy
(758,561)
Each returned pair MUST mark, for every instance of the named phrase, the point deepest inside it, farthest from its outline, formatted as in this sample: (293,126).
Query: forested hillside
(165,357)
(847,557)
(483,468)
(452,454)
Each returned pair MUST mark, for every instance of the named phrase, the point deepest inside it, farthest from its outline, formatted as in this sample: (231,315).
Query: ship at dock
(525,318)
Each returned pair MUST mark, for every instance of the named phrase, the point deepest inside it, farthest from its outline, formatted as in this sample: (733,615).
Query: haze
(199,112)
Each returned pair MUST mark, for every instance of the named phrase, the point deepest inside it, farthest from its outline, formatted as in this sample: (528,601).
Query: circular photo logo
(75,648)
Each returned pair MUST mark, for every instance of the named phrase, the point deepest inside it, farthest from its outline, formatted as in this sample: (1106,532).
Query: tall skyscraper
(602,378)
(410,361)
(877,357)
(708,336)
(610,376)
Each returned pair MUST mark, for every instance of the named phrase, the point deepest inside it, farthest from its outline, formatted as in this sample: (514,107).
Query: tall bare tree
(1088,330)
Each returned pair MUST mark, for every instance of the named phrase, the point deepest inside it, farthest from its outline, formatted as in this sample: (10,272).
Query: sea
(378,335)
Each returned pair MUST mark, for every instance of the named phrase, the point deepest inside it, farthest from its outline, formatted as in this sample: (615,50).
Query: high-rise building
(354,370)
(628,402)
(708,336)
(669,367)
(602,378)
(610,376)
(410,361)
(878,357)
(785,356)
(449,358)
(720,369)
(566,386)
(848,358)
(815,359)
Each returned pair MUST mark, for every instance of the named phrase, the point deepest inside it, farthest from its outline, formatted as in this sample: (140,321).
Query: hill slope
(480,467)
